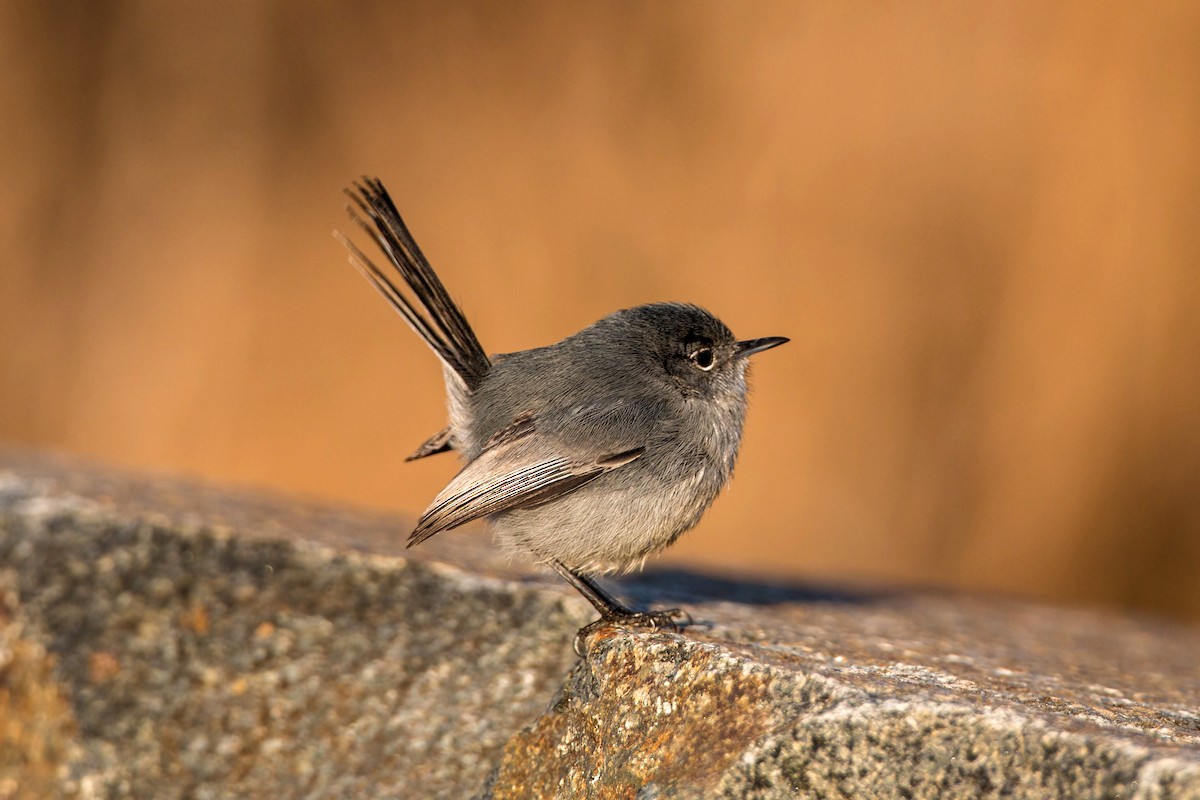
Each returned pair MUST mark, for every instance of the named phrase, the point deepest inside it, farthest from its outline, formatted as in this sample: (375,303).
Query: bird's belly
(613,523)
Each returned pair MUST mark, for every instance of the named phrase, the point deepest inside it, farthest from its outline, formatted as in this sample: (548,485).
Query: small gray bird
(589,454)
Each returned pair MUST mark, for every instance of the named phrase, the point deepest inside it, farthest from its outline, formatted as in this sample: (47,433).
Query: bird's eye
(703,358)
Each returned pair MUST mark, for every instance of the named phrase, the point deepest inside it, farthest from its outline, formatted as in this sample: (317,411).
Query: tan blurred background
(977,222)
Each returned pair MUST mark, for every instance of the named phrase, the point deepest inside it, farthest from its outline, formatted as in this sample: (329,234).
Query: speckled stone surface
(162,639)
(219,645)
(36,726)
(663,716)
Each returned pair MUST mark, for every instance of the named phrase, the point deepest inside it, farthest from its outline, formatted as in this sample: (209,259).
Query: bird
(587,455)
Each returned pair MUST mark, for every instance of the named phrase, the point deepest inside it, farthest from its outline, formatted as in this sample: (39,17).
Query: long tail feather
(430,311)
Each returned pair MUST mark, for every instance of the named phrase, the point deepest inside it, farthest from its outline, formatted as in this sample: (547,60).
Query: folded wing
(520,473)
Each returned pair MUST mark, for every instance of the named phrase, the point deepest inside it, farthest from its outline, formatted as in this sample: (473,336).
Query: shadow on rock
(678,585)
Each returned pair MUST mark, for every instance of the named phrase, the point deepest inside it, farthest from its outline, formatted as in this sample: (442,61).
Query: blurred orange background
(978,223)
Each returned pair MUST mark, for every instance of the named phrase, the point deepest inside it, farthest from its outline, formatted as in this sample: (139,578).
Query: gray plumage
(588,454)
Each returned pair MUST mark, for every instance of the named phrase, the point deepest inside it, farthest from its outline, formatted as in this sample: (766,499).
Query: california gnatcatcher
(589,454)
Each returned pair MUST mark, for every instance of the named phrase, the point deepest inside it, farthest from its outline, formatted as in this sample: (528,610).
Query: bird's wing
(438,443)
(519,471)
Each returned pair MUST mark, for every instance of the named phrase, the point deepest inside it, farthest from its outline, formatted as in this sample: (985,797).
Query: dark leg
(608,606)
(613,611)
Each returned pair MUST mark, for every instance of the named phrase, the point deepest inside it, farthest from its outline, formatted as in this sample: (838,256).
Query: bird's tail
(427,306)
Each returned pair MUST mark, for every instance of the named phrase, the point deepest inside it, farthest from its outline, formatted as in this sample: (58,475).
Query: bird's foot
(671,619)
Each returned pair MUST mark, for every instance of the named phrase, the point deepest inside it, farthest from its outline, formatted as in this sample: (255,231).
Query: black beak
(752,346)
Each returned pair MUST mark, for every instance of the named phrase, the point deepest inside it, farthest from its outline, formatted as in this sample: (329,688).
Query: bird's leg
(613,611)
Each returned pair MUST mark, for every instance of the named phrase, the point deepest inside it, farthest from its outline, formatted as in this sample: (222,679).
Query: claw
(683,615)
(577,645)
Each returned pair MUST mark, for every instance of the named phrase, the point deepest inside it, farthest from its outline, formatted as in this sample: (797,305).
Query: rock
(661,716)
(213,643)
(36,726)
(217,645)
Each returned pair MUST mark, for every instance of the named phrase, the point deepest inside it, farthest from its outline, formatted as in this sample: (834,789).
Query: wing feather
(438,443)
(510,476)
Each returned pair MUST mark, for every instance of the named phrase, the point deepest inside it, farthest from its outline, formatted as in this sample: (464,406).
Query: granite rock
(160,638)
